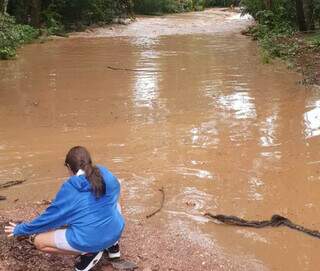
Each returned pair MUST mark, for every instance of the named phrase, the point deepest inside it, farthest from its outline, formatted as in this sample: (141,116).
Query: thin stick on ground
(11,183)
(161,205)
(131,70)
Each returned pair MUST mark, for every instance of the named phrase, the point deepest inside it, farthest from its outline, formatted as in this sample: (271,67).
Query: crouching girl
(87,206)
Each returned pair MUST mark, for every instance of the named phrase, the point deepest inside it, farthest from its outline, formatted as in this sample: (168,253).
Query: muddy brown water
(206,120)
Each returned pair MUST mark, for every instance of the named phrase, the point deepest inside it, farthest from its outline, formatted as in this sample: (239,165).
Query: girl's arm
(55,216)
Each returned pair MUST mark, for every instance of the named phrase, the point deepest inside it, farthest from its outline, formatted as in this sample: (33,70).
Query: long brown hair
(79,158)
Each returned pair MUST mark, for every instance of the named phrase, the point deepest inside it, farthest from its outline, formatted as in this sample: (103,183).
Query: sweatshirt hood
(80,183)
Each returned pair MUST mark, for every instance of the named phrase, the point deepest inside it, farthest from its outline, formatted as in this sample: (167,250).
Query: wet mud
(192,110)
(21,255)
(143,245)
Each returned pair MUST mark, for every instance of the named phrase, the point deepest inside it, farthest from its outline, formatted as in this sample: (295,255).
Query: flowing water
(198,114)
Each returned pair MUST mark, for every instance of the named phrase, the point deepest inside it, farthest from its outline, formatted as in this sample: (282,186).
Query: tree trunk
(309,12)
(35,12)
(268,4)
(3,6)
(300,16)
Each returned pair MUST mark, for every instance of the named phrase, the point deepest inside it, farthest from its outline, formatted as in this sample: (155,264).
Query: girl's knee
(38,242)
(42,241)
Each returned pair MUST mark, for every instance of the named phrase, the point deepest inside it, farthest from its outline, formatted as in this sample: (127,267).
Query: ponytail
(95,178)
(79,158)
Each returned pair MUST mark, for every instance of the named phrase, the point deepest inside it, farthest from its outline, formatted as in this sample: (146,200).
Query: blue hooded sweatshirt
(92,224)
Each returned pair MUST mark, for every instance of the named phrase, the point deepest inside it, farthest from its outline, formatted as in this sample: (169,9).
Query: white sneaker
(88,261)
(114,251)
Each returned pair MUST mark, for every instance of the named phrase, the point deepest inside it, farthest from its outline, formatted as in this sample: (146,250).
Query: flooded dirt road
(198,114)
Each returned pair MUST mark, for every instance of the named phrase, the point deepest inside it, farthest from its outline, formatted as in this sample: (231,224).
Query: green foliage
(86,12)
(79,13)
(316,43)
(275,40)
(13,35)
(167,6)
(57,15)
(265,56)
(277,32)
(275,27)
(221,3)
(19,10)
(25,33)
(280,10)
(317,9)
(314,40)
(199,5)
(150,6)
(52,20)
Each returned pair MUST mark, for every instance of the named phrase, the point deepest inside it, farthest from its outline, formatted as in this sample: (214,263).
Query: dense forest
(23,20)
(288,29)
(301,14)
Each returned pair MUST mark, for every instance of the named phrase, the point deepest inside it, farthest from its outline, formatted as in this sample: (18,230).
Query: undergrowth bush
(13,35)
(57,15)
(52,20)
(221,3)
(274,43)
(273,31)
(158,7)
(314,40)
(281,10)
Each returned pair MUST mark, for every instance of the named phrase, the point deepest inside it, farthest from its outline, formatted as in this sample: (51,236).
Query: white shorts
(61,241)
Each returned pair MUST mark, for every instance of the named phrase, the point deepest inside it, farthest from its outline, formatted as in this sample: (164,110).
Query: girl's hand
(9,229)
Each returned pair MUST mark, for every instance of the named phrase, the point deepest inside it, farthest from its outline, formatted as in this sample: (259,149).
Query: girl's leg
(46,243)
(55,242)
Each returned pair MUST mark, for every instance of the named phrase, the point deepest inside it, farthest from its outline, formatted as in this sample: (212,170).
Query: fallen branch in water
(161,206)
(11,183)
(275,221)
(131,70)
